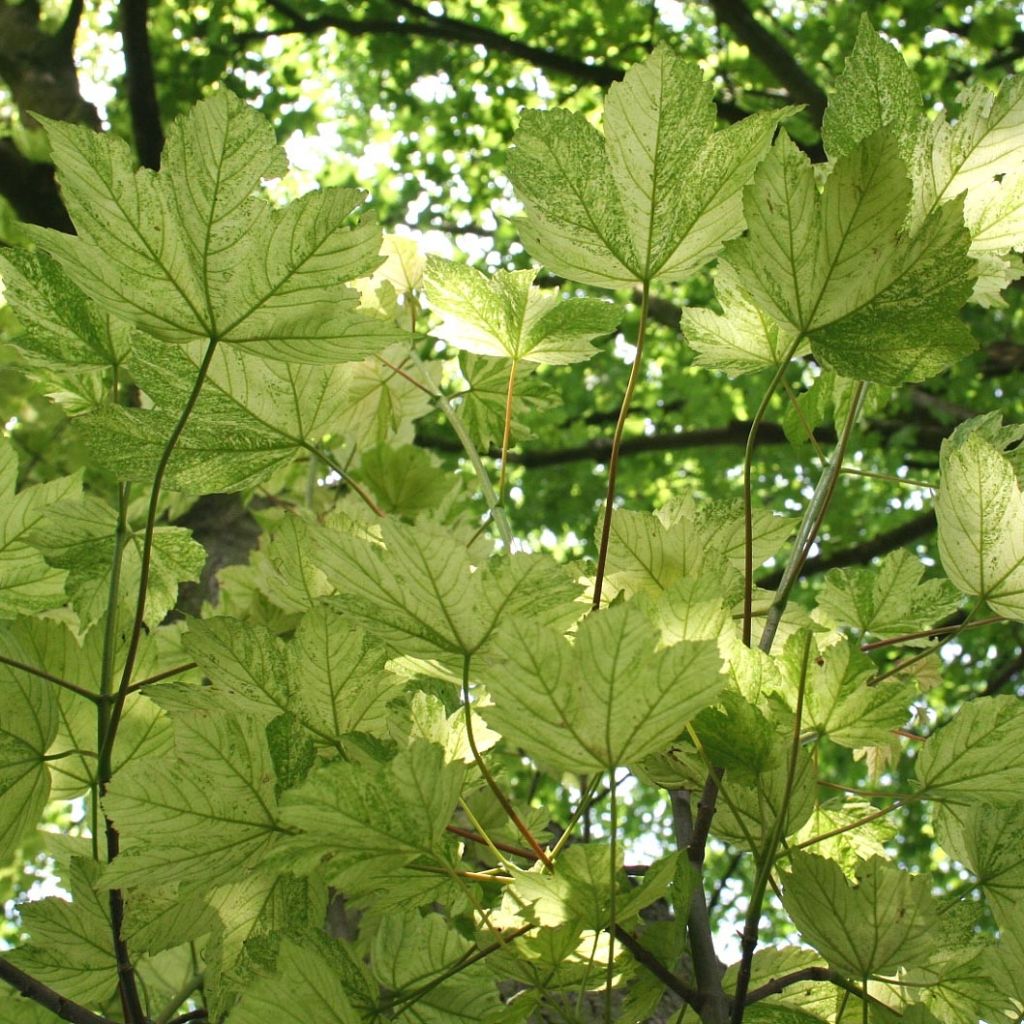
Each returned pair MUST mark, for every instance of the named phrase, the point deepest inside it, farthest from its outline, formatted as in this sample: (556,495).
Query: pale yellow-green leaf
(508,316)
(989,841)
(420,594)
(354,821)
(838,703)
(27,583)
(977,756)
(877,303)
(78,535)
(303,989)
(201,818)
(980,510)
(884,922)
(70,949)
(609,699)
(410,950)
(655,196)
(886,600)
(190,254)
(743,339)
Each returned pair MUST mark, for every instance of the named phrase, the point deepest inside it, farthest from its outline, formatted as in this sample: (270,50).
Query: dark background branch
(772,54)
(140,83)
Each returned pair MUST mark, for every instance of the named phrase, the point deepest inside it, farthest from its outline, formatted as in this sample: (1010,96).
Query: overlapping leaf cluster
(309,788)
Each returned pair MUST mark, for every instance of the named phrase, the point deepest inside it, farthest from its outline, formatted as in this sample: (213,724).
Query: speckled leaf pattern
(420,594)
(978,756)
(189,254)
(28,584)
(389,814)
(888,599)
(203,817)
(885,922)
(875,90)
(253,417)
(78,536)
(29,718)
(980,511)
(876,302)
(508,316)
(70,949)
(411,947)
(742,339)
(610,699)
(654,197)
(838,702)
(304,987)
(989,841)
(978,152)
(63,329)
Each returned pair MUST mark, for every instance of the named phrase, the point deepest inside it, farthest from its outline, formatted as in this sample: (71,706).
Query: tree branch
(772,54)
(707,968)
(47,997)
(140,83)
(448,29)
(599,448)
(649,961)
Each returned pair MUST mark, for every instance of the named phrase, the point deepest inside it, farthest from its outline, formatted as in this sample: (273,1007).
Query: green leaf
(887,599)
(405,480)
(252,417)
(980,508)
(203,818)
(609,699)
(380,404)
(303,988)
(187,254)
(29,724)
(70,949)
(290,576)
(989,841)
(144,730)
(419,594)
(743,339)
(410,950)
(27,583)
(747,813)
(876,302)
(330,677)
(857,842)
(651,553)
(654,197)
(815,998)
(876,90)
(340,684)
(78,535)
(359,821)
(838,702)
(884,922)
(507,316)
(62,328)
(977,756)
(482,407)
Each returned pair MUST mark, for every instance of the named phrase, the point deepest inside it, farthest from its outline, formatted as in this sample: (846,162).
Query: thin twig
(613,458)
(50,678)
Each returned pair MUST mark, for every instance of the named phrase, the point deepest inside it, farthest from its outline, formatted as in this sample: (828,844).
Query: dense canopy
(511,509)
